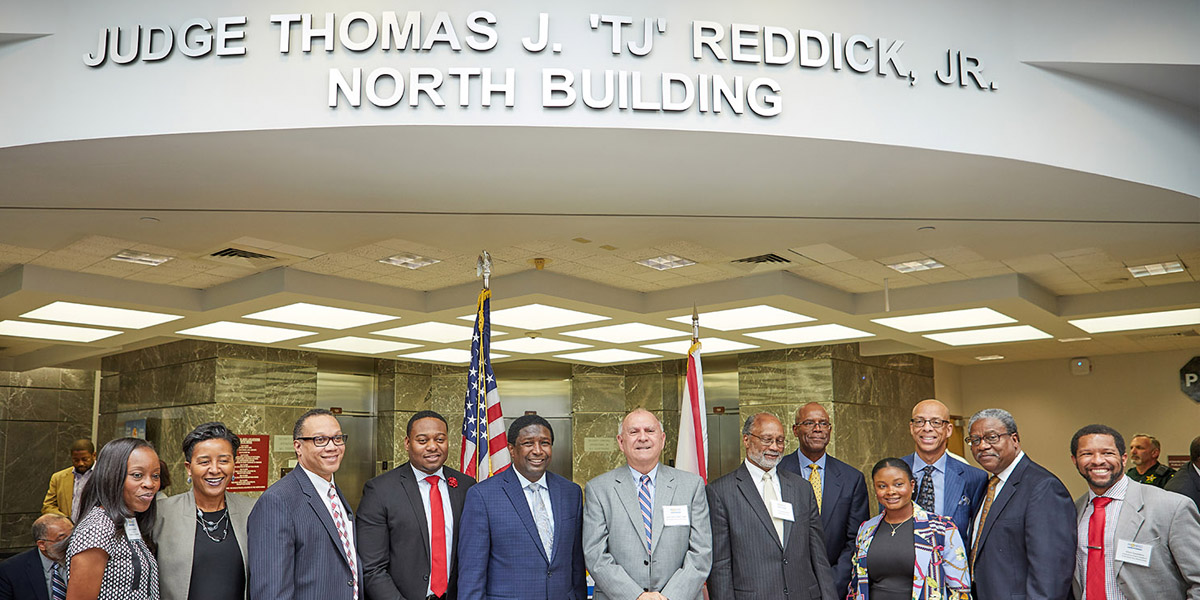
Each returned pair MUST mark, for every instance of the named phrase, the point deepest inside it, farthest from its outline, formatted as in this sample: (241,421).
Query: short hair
(751,420)
(299,427)
(524,421)
(106,487)
(1153,441)
(43,523)
(621,423)
(164,475)
(214,430)
(1005,417)
(425,414)
(1195,449)
(1097,429)
(82,445)
(893,462)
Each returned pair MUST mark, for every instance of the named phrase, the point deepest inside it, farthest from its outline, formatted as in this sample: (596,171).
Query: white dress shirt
(543,491)
(939,479)
(1117,493)
(448,517)
(756,475)
(323,490)
(1003,476)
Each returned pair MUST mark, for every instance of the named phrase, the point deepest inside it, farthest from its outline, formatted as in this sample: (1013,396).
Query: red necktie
(437,539)
(1095,550)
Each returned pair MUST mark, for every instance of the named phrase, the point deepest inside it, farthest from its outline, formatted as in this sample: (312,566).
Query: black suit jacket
(1026,548)
(1187,482)
(748,559)
(22,578)
(843,508)
(391,521)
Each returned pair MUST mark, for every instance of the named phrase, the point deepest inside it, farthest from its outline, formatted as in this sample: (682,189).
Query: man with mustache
(66,485)
(767,537)
(646,533)
(1135,541)
(1143,453)
(945,485)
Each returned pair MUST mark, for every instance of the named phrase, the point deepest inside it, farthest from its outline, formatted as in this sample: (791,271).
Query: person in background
(110,553)
(1187,480)
(62,498)
(38,574)
(164,479)
(945,486)
(841,489)
(201,533)
(1143,453)
(905,552)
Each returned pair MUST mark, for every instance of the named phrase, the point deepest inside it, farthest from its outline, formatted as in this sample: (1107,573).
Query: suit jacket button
(785,561)
(646,562)
(350,583)
(549,573)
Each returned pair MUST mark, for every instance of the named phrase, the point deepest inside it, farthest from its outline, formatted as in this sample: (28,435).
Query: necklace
(210,527)
(897,526)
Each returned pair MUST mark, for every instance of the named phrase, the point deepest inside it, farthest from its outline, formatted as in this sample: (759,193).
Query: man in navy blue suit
(946,485)
(1024,544)
(29,575)
(521,534)
(843,489)
(301,530)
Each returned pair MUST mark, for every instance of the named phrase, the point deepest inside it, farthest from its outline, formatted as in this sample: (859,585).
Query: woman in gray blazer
(202,532)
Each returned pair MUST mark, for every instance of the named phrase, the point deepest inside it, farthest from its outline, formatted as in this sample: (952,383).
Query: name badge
(782,510)
(676,516)
(131,530)
(1133,552)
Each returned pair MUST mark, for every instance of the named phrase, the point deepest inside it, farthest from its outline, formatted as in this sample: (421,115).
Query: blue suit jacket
(965,489)
(1027,545)
(294,547)
(22,578)
(843,509)
(500,555)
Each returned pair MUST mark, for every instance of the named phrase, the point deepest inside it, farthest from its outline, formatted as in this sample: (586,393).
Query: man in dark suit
(521,533)
(843,490)
(420,500)
(1187,480)
(766,529)
(30,574)
(301,530)
(1025,531)
(945,485)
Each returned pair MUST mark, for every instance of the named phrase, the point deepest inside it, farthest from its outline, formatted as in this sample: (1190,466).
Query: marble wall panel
(16,531)
(29,404)
(170,385)
(241,381)
(29,460)
(173,353)
(598,393)
(645,391)
(586,465)
(911,363)
(265,354)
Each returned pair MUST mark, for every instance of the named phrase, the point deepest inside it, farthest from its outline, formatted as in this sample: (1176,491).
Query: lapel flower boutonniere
(452,481)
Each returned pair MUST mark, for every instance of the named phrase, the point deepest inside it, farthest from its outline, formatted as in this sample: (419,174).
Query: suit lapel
(953,487)
(458,496)
(36,577)
(627,491)
(664,494)
(791,495)
(754,500)
(1130,520)
(412,491)
(830,491)
(317,503)
(558,504)
(516,495)
(1010,488)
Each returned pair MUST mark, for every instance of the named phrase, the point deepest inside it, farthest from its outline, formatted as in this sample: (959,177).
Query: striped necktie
(58,587)
(341,528)
(647,509)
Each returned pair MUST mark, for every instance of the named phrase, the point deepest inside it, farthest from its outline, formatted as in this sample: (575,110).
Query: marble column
(597,405)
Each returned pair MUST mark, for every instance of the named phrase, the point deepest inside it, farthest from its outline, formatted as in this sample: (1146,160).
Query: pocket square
(964,501)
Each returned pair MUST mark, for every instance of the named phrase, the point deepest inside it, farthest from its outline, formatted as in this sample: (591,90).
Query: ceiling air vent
(240,253)
(762,259)
(1160,337)
(250,257)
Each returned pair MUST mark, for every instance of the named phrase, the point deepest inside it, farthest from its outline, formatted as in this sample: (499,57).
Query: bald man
(945,486)
(843,489)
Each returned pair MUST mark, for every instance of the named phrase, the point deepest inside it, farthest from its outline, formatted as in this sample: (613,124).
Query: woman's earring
(189,480)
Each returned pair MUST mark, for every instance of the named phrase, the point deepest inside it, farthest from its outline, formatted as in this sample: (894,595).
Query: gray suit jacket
(175,532)
(1170,524)
(614,540)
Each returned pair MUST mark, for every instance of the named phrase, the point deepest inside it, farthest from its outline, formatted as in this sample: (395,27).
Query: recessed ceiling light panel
(924,264)
(812,334)
(667,261)
(361,345)
(612,355)
(409,261)
(456,356)
(105,316)
(1151,320)
(1162,268)
(537,345)
(988,357)
(441,333)
(536,317)
(626,333)
(950,319)
(61,333)
(746,317)
(707,345)
(1074,339)
(242,332)
(141,258)
(995,335)
(316,315)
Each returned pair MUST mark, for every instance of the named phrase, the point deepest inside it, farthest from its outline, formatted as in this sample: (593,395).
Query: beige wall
(1133,393)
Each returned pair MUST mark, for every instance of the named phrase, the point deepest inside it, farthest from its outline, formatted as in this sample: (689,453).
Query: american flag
(483,420)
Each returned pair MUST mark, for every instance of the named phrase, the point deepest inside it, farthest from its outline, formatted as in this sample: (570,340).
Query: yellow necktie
(815,479)
(983,514)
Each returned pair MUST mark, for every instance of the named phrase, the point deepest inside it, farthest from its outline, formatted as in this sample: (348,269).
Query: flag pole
(695,325)
(483,267)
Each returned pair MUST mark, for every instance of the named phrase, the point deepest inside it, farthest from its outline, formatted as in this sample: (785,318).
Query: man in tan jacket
(66,485)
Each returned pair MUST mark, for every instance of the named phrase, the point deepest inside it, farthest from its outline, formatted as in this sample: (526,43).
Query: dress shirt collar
(637,475)
(757,473)
(525,483)
(1007,472)
(938,465)
(82,477)
(48,564)
(319,482)
(1196,468)
(421,475)
(1116,492)
(805,462)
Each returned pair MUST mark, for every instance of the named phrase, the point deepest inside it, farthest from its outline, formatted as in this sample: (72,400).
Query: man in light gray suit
(1133,538)
(767,538)
(646,533)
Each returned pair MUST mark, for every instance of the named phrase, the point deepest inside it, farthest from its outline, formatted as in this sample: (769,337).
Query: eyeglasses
(321,441)
(990,438)
(779,441)
(810,424)
(920,422)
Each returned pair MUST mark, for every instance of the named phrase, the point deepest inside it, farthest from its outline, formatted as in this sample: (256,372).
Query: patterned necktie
(925,495)
(541,517)
(1096,587)
(58,587)
(983,513)
(437,539)
(814,478)
(647,508)
(335,506)
(769,496)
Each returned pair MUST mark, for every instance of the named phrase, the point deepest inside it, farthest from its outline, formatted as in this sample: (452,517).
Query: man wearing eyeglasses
(767,537)
(38,574)
(301,530)
(841,489)
(945,486)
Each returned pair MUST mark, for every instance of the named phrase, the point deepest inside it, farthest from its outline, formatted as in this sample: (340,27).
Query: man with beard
(66,485)
(419,500)
(767,537)
(38,574)
(1143,453)
(840,489)
(1135,541)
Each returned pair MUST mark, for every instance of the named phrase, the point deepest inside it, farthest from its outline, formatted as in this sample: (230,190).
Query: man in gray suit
(1134,539)
(767,538)
(646,533)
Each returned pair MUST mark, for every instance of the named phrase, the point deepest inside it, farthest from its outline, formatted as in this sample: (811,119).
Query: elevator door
(551,400)
(355,396)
